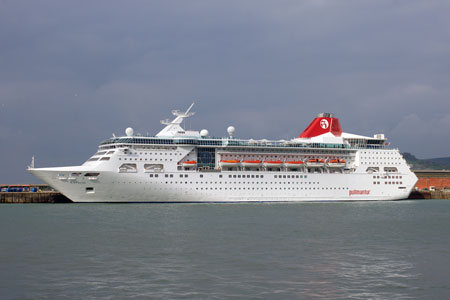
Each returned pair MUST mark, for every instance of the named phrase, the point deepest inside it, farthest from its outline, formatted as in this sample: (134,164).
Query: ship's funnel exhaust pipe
(325,122)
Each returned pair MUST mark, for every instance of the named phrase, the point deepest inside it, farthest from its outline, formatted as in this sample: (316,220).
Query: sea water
(371,250)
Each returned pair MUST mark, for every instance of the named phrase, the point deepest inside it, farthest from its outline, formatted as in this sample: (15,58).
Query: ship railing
(227,142)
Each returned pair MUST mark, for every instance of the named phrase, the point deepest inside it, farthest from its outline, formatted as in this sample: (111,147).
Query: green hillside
(442,163)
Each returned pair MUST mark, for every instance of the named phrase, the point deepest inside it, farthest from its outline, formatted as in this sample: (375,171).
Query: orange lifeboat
(336,163)
(273,163)
(251,163)
(315,163)
(292,164)
(189,163)
(229,163)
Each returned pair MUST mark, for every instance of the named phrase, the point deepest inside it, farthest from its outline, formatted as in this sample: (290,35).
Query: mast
(172,127)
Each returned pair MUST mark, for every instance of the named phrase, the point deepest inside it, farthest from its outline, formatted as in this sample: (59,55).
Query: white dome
(129,131)
(231,130)
(204,133)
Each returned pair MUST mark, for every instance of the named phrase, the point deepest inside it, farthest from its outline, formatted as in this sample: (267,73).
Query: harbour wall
(431,179)
(30,197)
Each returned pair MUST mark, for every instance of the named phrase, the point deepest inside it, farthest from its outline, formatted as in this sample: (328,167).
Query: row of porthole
(382,152)
(145,159)
(239,182)
(387,163)
(222,183)
(272,188)
(387,177)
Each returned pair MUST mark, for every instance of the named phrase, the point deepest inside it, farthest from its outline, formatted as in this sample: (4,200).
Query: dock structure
(433,179)
(36,197)
(30,193)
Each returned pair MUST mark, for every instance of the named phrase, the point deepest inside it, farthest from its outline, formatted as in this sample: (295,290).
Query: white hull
(119,187)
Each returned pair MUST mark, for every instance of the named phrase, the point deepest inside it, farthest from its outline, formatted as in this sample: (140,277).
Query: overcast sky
(74,72)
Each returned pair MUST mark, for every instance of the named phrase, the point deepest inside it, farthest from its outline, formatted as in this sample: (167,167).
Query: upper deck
(228,142)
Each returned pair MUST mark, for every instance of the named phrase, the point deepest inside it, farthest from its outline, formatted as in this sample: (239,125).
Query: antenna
(172,127)
(185,114)
(166,122)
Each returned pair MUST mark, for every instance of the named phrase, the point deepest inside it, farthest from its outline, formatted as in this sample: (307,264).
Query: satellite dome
(129,131)
(204,133)
(231,130)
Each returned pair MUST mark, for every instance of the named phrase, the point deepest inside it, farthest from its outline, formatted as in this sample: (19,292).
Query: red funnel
(322,124)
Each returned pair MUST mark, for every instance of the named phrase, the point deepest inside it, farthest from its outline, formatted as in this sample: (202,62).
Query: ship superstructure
(176,165)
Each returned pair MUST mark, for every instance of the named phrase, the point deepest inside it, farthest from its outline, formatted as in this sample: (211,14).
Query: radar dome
(231,130)
(204,133)
(129,131)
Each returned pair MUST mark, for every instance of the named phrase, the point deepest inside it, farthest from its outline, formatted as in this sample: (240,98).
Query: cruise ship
(176,165)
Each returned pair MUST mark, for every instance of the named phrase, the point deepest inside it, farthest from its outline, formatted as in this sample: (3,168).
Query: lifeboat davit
(251,163)
(230,163)
(293,164)
(273,163)
(336,163)
(315,163)
(189,163)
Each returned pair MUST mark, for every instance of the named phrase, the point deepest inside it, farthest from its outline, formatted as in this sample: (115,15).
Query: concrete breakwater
(30,197)
(421,194)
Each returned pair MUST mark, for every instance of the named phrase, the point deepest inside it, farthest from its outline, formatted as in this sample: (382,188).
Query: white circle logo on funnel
(324,123)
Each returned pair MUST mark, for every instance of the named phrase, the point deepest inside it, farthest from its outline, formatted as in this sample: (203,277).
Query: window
(91,174)
(372,169)
(153,168)
(128,168)
(104,158)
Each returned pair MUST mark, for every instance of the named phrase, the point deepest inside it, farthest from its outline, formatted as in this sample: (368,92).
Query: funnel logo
(324,123)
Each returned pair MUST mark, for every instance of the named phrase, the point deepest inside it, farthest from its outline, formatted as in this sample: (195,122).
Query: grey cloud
(72,73)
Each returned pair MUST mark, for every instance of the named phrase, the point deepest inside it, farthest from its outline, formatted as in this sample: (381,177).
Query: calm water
(388,250)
